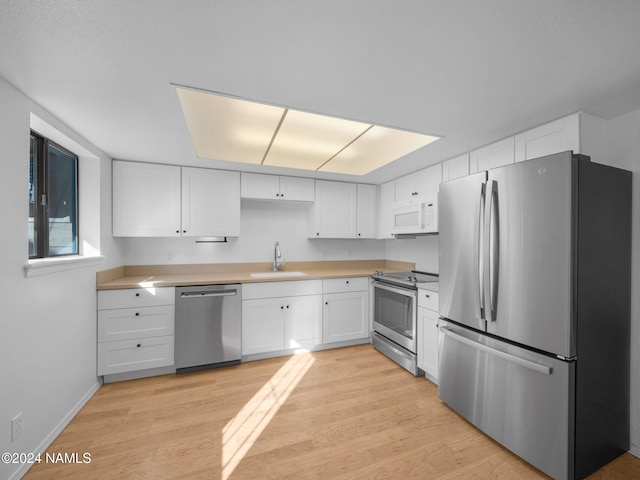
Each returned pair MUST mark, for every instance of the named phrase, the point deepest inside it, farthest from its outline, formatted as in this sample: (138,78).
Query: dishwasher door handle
(224,293)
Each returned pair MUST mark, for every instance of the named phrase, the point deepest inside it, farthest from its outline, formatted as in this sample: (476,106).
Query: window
(53,199)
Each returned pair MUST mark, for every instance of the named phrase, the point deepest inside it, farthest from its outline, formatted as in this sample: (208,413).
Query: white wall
(48,322)
(262,224)
(623,146)
(423,251)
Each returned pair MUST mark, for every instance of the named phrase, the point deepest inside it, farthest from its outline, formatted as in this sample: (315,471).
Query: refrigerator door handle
(477,253)
(490,251)
(537,367)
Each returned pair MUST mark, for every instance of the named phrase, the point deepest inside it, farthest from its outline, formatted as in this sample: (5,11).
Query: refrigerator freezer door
(527,252)
(519,398)
(461,204)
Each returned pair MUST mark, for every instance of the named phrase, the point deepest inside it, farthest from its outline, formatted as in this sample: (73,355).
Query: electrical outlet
(16,427)
(170,256)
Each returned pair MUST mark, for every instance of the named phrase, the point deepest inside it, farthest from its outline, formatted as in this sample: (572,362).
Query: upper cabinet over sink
(275,187)
(151,200)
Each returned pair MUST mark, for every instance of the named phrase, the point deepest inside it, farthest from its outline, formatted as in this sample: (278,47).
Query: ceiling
(471,71)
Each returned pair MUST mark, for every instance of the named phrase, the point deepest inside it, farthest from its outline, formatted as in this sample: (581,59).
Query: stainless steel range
(395,315)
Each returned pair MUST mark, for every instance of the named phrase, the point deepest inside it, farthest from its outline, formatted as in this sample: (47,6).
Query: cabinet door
(297,189)
(256,185)
(428,182)
(492,156)
(455,168)
(146,200)
(366,211)
(345,316)
(428,342)
(210,202)
(263,325)
(304,321)
(554,137)
(405,189)
(333,214)
(385,210)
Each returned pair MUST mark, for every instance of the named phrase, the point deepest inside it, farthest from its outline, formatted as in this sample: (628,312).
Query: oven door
(394,314)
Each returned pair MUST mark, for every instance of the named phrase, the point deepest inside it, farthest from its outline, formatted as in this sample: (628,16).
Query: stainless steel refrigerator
(535,266)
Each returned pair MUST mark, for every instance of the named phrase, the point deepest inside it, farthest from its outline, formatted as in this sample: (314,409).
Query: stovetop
(410,279)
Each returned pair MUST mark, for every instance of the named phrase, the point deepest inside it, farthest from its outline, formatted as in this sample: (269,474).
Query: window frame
(42,186)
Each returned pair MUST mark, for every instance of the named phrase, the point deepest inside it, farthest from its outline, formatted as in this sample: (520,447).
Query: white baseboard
(40,449)
(635,450)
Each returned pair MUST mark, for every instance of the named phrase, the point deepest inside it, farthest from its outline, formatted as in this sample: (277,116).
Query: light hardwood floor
(341,414)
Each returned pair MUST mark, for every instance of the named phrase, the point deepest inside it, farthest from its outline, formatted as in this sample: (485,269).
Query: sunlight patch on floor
(244,429)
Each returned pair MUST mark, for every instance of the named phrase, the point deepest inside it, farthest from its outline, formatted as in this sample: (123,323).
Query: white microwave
(417,218)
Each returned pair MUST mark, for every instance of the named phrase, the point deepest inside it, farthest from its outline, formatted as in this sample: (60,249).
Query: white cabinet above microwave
(419,218)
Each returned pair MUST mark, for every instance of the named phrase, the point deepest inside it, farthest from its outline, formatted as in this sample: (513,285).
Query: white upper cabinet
(495,155)
(333,214)
(366,211)
(456,167)
(152,200)
(553,137)
(418,187)
(297,189)
(210,203)
(343,210)
(146,200)
(385,210)
(274,187)
(580,132)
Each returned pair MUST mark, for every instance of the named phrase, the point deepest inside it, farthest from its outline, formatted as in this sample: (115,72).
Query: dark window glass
(53,200)
(62,202)
(32,197)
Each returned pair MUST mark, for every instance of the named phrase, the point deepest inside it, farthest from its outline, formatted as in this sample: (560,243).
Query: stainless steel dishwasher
(208,327)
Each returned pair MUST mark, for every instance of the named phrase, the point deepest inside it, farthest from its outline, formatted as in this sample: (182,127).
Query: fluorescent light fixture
(238,130)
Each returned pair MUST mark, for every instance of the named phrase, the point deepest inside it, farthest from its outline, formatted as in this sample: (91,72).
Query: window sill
(45,266)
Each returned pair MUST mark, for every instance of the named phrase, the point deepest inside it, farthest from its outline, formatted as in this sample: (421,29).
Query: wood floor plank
(341,414)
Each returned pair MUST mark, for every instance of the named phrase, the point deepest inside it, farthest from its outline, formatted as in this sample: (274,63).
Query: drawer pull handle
(138,345)
(137,314)
(137,294)
(428,296)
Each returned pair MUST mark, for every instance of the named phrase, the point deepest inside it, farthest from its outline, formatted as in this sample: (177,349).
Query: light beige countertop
(153,276)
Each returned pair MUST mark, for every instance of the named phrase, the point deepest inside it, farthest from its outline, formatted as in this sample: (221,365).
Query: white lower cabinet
(428,333)
(132,355)
(346,309)
(281,315)
(135,329)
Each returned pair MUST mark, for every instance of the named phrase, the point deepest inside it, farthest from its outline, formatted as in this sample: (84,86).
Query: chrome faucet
(278,261)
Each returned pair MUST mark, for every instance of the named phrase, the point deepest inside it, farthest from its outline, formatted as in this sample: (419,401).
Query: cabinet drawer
(132,355)
(136,297)
(130,323)
(428,299)
(352,284)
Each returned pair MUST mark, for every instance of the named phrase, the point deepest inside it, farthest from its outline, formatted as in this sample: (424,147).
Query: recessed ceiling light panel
(238,130)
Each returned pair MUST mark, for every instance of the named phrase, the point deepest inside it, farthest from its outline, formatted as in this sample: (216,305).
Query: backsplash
(264,223)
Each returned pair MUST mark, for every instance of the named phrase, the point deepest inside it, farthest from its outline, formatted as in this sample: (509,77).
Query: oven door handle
(401,291)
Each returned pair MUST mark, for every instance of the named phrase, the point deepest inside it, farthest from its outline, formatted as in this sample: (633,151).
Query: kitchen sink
(277,274)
